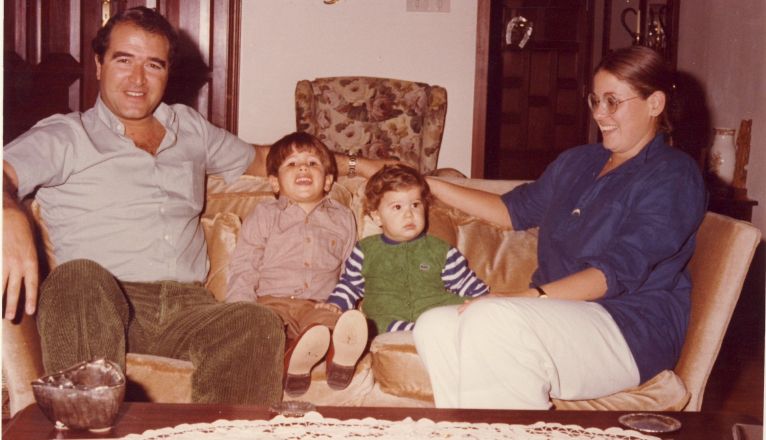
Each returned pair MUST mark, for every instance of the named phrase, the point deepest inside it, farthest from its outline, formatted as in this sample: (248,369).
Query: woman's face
(633,124)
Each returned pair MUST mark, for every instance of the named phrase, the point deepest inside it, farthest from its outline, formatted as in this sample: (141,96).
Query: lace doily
(314,426)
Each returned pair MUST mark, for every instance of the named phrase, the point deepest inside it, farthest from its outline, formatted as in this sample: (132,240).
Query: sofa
(391,373)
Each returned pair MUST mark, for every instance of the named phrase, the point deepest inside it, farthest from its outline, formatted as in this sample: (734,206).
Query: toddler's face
(401,214)
(302,178)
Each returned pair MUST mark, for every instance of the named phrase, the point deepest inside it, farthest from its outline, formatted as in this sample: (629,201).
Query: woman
(609,303)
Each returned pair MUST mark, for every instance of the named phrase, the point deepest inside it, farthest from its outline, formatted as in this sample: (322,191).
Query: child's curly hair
(395,177)
(300,141)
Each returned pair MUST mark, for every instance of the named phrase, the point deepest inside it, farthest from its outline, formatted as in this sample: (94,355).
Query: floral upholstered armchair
(375,117)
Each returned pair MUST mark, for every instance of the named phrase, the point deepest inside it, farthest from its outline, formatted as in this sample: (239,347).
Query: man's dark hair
(142,17)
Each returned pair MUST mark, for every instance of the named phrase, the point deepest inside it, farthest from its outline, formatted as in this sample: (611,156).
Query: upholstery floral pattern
(375,117)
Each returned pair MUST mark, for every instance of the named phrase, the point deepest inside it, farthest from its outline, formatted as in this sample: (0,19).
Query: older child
(288,258)
(402,272)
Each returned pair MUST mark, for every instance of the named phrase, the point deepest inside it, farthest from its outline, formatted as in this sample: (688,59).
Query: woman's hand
(467,303)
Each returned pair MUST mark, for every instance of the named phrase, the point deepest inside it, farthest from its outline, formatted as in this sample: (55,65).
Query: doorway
(538,72)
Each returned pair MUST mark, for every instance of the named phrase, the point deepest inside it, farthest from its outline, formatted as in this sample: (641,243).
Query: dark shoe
(348,342)
(307,350)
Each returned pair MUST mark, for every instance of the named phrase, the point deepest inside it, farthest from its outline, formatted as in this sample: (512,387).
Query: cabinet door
(536,84)
(49,66)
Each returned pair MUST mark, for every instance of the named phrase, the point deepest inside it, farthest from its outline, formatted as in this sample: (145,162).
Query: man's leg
(237,349)
(83,314)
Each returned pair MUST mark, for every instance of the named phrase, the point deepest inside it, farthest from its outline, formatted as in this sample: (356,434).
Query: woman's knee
(435,322)
(504,318)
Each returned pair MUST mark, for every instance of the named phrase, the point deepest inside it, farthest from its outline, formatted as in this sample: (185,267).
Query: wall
(724,47)
(284,41)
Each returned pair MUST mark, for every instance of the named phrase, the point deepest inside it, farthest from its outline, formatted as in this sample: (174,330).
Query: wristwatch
(351,164)
(540,291)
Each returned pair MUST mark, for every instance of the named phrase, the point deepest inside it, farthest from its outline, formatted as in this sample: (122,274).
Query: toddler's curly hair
(397,177)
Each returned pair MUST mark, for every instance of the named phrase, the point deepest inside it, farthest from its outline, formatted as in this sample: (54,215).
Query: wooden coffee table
(31,424)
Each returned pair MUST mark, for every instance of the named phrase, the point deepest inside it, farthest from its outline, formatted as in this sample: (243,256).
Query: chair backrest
(374,117)
(725,248)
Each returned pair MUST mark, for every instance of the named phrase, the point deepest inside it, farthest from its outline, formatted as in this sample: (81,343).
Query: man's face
(134,73)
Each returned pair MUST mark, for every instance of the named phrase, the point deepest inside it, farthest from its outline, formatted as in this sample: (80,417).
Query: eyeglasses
(610,103)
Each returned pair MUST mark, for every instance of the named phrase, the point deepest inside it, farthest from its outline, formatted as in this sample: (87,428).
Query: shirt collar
(163,113)
(394,242)
(642,157)
(284,203)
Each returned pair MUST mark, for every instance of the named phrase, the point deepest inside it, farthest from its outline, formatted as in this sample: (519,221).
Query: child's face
(401,214)
(302,179)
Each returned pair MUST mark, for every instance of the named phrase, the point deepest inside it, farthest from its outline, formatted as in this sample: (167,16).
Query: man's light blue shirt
(104,199)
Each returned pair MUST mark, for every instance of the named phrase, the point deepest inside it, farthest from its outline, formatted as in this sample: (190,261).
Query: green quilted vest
(403,280)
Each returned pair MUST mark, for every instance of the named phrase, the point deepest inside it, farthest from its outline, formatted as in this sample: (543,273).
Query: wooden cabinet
(733,205)
(652,23)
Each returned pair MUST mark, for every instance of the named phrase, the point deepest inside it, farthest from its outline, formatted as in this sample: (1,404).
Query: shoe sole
(349,338)
(309,351)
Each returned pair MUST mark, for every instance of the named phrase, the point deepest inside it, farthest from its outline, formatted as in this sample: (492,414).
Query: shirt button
(162,210)
(308,239)
(306,264)
(167,237)
(576,212)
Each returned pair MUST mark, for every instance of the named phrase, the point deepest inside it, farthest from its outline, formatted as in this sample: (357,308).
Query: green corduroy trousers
(237,349)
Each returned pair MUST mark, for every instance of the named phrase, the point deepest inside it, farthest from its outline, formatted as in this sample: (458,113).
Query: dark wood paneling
(49,66)
(535,105)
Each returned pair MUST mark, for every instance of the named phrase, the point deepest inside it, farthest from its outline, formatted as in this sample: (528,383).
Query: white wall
(284,41)
(724,47)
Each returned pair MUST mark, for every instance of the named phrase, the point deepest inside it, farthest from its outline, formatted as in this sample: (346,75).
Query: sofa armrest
(22,360)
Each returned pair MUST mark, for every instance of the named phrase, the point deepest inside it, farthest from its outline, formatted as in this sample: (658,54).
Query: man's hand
(19,262)
(367,167)
(19,252)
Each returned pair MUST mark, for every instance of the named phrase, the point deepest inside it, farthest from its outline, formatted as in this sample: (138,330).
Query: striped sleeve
(400,326)
(350,288)
(459,278)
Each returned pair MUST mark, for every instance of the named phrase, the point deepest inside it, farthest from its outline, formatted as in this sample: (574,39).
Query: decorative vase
(723,154)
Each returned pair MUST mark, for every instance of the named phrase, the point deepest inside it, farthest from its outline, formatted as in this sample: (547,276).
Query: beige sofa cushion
(397,368)
(221,234)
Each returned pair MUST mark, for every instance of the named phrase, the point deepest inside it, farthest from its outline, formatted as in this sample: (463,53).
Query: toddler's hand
(328,306)
(462,307)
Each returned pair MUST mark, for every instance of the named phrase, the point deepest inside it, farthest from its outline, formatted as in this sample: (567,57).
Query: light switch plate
(428,5)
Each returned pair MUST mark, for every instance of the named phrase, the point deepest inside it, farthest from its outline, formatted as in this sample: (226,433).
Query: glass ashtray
(650,423)
(293,408)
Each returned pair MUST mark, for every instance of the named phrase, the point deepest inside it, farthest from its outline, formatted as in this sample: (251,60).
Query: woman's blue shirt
(636,224)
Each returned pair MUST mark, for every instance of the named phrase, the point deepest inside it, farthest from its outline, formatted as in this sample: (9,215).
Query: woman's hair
(300,142)
(646,72)
(395,177)
(142,17)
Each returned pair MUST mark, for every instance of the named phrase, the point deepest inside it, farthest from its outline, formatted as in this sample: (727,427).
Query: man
(121,188)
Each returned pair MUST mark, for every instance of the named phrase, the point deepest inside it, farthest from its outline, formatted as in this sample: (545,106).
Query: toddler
(402,272)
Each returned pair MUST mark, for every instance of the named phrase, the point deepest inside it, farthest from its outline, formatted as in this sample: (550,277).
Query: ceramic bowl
(85,396)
